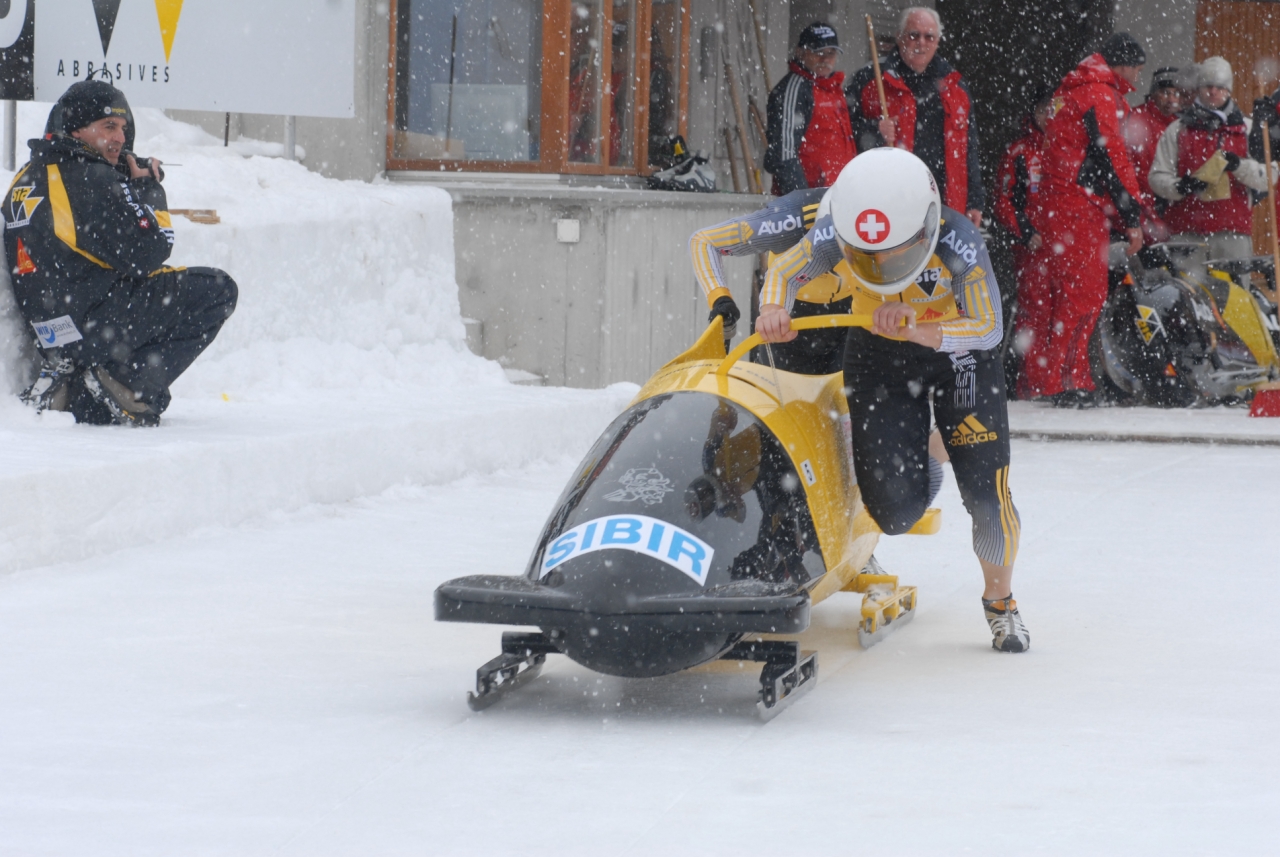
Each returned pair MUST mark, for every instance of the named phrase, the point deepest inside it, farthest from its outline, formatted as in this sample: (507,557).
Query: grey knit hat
(1215,71)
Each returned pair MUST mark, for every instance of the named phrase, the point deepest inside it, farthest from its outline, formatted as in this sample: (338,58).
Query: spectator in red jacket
(1089,186)
(1210,205)
(1018,184)
(1147,122)
(930,112)
(810,139)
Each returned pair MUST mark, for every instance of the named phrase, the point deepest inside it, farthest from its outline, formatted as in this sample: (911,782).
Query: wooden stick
(757,119)
(1271,209)
(748,161)
(733,159)
(764,63)
(875,64)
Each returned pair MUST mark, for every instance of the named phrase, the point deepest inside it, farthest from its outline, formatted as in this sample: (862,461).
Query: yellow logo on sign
(168,12)
(970,432)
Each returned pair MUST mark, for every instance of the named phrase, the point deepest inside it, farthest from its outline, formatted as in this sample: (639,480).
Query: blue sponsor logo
(661,540)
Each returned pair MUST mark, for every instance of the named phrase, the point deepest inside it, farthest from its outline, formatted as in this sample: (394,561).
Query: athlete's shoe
(1008,634)
(49,392)
(116,401)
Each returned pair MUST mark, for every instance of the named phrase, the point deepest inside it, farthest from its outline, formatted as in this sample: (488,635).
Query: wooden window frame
(553,138)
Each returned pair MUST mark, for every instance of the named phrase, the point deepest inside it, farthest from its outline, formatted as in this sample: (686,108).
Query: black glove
(1188,185)
(1233,161)
(1264,110)
(727,310)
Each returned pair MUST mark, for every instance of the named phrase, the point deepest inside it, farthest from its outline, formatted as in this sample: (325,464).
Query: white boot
(1008,632)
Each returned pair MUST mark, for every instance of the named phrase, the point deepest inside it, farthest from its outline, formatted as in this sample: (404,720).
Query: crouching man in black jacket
(87,233)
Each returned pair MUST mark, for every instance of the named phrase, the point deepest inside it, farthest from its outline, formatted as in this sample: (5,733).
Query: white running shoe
(1008,633)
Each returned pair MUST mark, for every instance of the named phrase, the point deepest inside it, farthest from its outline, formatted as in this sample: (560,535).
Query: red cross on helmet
(886,210)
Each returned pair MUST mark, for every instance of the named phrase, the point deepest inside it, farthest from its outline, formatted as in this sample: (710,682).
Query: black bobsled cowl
(684,529)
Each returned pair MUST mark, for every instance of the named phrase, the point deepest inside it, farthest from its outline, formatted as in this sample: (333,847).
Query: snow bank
(343,372)
(342,284)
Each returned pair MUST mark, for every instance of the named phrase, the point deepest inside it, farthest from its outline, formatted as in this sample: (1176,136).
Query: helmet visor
(892,266)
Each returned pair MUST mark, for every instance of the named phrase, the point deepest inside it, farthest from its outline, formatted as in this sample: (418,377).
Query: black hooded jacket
(75,227)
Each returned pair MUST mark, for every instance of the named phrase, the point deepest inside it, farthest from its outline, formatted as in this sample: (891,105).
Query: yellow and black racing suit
(773,229)
(891,383)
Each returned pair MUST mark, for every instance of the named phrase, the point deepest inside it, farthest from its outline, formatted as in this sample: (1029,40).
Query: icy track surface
(280,688)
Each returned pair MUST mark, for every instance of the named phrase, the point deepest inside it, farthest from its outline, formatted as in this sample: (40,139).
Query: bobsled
(705,523)
(1177,331)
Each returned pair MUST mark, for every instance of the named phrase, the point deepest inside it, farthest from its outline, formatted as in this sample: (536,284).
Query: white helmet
(886,210)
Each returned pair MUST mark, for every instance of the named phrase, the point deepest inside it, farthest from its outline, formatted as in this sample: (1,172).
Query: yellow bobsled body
(714,511)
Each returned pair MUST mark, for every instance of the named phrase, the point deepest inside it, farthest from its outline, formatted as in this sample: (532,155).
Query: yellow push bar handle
(810,323)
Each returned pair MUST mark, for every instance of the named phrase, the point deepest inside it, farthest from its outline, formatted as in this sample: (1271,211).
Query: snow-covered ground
(216,637)
(280,688)
(344,370)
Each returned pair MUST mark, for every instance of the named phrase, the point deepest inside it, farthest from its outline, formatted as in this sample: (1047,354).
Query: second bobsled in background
(718,507)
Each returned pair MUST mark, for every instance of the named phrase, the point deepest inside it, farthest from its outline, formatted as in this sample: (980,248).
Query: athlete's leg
(973,416)
(974,419)
(888,399)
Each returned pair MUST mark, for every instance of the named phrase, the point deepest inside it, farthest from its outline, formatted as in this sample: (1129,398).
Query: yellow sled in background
(719,507)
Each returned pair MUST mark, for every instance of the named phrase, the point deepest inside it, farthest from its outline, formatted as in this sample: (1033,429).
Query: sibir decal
(640,534)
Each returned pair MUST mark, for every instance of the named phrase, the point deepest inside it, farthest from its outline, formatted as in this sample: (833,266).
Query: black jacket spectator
(937,127)
(810,140)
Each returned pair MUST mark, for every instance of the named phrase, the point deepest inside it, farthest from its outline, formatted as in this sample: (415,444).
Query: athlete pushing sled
(923,274)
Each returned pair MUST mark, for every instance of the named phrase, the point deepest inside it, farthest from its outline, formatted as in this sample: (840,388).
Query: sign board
(17,39)
(284,57)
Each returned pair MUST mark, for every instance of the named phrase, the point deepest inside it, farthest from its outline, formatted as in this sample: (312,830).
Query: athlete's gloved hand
(727,310)
(1188,185)
(1233,161)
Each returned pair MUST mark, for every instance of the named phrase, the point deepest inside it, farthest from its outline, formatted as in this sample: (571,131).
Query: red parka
(810,139)
(1142,130)
(1085,153)
(957,123)
(1018,181)
(1198,140)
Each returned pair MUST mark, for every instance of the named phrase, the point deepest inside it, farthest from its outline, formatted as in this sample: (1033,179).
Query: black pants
(891,388)
(147,332)
(812,352)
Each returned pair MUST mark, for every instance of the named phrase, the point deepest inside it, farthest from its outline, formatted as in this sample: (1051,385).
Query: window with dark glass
(664,80)
(592,86)
(468,79)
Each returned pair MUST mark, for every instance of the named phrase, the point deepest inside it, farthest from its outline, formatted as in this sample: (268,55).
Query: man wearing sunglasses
(922,272)
(930,112)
